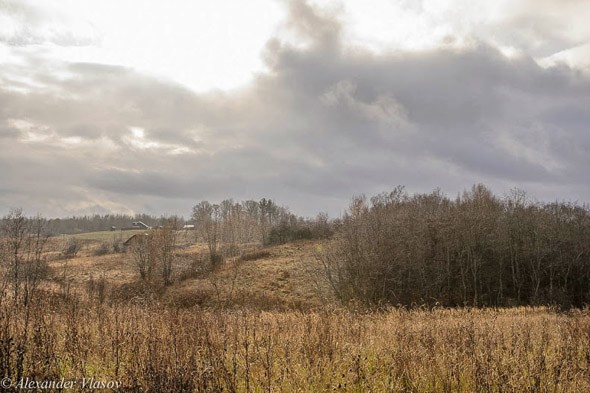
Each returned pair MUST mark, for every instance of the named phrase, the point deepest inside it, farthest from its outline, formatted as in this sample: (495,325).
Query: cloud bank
(328,118)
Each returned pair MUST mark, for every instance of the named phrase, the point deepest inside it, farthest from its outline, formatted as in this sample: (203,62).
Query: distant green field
(104,235)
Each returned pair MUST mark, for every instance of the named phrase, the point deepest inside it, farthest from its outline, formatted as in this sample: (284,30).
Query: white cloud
(202,45)
(537,28)
(324,121)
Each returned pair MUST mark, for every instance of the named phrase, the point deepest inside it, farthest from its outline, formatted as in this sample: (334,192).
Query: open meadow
(266,322)
(158,349)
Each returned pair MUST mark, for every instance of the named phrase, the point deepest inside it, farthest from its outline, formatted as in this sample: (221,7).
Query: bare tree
(474,250)
(23,242)
(14,233)
(155,250)
(35,267)
(144,255)
(207,217)
(165,240)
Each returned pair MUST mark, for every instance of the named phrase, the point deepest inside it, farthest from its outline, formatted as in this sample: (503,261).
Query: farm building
(140,225)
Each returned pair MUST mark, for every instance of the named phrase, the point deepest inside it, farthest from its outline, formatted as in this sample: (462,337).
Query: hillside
(275,277)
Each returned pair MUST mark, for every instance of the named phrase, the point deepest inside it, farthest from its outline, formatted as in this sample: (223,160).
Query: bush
(252,256)
(138,292)
(292,229)
(72,248)
(102,249)
(187,299)
(216,260)
(97,289)
(118,246)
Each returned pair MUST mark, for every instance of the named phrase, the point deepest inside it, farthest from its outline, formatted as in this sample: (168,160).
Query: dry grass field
(266,322)
(155,349)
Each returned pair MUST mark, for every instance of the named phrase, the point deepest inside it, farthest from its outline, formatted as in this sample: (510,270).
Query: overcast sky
(127,106)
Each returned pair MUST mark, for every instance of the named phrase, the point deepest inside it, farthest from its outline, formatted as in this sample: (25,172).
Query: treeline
(97,222)
(475,250)
(249,221)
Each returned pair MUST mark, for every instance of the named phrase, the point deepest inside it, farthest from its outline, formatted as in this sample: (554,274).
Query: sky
(119,106)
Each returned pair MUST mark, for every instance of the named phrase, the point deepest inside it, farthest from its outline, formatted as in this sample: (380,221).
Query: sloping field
(284,276)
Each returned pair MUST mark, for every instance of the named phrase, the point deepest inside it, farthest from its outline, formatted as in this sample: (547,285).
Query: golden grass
(168,350)
(287,278)
(238,330)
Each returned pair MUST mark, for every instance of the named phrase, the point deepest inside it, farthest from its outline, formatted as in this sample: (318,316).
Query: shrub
(216,260)
(252,256)
(118,245)
(186,299)
(138,292)
(102,249)
(97,289)
(72,248)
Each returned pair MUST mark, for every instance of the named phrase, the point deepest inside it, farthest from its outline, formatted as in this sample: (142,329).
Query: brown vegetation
(475,250)
(235,314)
(167,350)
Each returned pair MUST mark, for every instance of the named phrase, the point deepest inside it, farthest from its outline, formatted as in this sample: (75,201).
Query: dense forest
(475,250)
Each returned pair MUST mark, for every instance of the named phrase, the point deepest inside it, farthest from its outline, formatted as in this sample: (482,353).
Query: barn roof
(130,240)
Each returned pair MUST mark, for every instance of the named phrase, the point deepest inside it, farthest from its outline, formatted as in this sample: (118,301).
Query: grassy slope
(287,278)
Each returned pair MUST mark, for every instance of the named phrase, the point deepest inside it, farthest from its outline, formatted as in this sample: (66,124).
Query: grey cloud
(322,29)
(323,123)
(8,132)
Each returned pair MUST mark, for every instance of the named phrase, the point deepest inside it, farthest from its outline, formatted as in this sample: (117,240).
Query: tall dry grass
(156,349)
